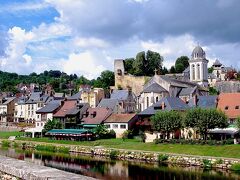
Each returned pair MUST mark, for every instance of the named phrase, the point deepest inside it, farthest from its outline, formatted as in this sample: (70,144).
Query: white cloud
(90,42)
(83,63)
(27,58)
(171,47)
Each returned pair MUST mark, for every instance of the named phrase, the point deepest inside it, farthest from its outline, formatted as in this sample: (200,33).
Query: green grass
(6,135)
(230,151)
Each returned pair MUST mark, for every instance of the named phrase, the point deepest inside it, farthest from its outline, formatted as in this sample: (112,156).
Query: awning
(90,125)
(229,130)
(69,132)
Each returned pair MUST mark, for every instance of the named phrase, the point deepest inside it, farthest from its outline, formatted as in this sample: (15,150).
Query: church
(149,90)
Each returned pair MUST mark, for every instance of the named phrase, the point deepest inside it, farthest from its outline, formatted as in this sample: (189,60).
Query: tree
(205,119)
(167,121)
(179,68)
(105,80)
(52,124)
(164,71)
(238,122)
(181,64)
(139,65)
(154,61)
(210,70)
(172,70)
(213,91)
(128,64)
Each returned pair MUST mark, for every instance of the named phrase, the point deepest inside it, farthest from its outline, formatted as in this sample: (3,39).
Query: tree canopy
(167,121)
(181,64)
(51,124)
(205,119)
(144,64)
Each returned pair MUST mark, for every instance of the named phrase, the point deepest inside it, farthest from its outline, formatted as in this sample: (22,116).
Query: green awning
(67,132)
(90,125)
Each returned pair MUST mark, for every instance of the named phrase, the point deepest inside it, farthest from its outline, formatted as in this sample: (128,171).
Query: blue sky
(84,37)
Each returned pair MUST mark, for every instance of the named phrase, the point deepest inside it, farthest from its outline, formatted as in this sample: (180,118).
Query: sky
(84,37)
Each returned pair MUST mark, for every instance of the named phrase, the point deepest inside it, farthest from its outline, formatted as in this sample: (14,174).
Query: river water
(103,168)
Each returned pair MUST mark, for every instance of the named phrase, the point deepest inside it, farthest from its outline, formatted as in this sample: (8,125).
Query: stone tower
(199,67)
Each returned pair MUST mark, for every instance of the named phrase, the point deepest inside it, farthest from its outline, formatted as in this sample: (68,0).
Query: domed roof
(198,52)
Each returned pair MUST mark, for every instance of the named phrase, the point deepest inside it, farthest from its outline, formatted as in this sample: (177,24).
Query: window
(115,126)
(226,107)
(41,124)
(156,99)
(198,71)
(123,126)
(147,102)
(193,72)
(237,107)
(38,116)
(37,124)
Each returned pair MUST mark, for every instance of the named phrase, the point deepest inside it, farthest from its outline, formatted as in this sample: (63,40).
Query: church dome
(198,52)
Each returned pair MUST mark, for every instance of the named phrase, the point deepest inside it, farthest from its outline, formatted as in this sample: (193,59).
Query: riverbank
(129,154)
(4,176)
(26,170)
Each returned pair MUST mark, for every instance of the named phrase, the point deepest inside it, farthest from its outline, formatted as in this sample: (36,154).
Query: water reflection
(102,168)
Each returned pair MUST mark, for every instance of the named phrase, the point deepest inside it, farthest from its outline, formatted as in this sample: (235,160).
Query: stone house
(126,99)
(7,109)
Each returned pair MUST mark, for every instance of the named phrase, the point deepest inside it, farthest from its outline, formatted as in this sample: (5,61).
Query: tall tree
(139,65)
(181,64)
(105,80)
(128,64)
(167,121)
(154,61)
(205,119)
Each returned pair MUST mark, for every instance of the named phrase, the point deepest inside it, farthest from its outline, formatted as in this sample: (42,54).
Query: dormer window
(236,107)
(226,107)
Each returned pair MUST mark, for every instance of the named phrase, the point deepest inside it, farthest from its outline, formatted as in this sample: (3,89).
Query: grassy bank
(6,135)
(229,151)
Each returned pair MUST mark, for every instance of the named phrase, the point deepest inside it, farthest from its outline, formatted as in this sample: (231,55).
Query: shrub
(142,136)
(162,157)
(235,167)
(49,148)
(5,143)
(207,163)
(113,154)
(219,161)
(128,134)
(15,145)
(63,149)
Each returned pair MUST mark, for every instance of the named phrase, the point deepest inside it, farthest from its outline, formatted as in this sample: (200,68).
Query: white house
(120,123)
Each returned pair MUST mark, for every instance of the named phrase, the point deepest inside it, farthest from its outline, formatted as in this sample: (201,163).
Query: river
(103,168)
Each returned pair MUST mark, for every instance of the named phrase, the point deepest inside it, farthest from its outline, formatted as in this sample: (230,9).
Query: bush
(63,149)
(219,161)
(5,143)
(207,163)
(142,136)
(48,148)
(235,167)
(162,157)
(113,154)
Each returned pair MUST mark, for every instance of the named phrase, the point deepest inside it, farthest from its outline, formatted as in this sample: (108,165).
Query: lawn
(6,135)
(230,151)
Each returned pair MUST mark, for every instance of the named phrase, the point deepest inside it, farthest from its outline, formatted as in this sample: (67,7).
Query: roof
(108,103)
(204,102)
(187,70)
(199,52)
(187,91)
(170,103)
(67,109)
(156,88)
(8,100)
(217,63)
(229,130)
(230,104)
(120,94)
(119,118)
(37,97)
(76,96)
(96,115)
(50,107)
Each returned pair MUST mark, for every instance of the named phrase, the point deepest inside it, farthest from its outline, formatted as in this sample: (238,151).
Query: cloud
(83,63)
(27,58)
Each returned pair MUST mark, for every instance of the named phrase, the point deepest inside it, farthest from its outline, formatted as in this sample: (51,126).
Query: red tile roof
(230,104)
(67,106)
(119,118)
(101,114)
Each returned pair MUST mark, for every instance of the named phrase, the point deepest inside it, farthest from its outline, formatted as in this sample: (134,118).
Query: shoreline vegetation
(226,151)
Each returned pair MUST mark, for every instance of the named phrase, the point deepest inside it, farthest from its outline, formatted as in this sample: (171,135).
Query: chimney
(195,100)
(163,105)
(129,90)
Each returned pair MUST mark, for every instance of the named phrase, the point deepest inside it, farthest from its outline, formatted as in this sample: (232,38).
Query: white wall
(117,128)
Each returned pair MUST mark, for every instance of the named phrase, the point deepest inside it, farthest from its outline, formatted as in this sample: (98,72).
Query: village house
(112,104)
(95,116)
(70,113)
(229,103)
(120,123)
(126,99)
(92,96)
(7,109)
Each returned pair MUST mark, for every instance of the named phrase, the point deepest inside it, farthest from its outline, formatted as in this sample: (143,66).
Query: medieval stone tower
(198,67)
